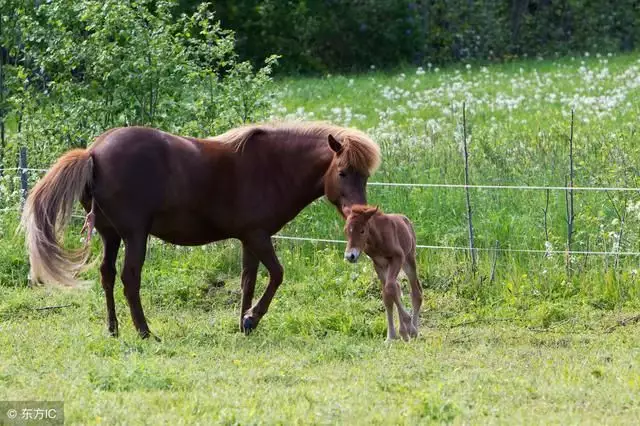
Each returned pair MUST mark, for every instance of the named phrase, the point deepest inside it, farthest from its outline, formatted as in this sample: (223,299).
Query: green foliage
(320,36)
(76,68)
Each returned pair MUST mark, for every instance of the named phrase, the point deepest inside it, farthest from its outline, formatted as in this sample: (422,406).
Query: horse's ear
(335,145)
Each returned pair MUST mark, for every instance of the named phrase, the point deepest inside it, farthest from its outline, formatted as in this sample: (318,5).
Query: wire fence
(23,170)
(446,185)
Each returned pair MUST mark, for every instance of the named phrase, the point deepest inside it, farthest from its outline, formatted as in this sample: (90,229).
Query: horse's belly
(185,230)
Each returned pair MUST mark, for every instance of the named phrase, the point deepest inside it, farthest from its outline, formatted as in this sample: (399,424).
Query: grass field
(538,344)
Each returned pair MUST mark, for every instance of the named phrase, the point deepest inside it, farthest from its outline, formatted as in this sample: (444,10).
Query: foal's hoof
(249,324)
(390,340)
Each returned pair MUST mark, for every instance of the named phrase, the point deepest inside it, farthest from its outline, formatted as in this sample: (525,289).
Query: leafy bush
(76,68)
(346,35)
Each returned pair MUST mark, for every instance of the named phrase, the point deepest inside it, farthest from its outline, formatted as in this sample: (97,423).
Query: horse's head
(354,159)
(357,230)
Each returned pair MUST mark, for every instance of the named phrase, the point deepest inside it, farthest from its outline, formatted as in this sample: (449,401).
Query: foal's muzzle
(352,255)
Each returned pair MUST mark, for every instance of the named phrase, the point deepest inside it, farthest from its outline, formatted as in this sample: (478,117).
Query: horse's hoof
(146,334)
(249,324)
(113,331)
(413,332)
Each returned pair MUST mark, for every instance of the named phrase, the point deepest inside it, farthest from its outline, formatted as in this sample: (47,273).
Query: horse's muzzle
(352,255)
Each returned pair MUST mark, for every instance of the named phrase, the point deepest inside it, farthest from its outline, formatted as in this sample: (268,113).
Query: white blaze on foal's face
(357,232)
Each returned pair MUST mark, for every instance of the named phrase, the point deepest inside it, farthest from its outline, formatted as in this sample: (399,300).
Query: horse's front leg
(249,273)
(262,248)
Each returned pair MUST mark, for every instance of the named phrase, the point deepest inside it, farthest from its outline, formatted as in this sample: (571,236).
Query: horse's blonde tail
(47,211)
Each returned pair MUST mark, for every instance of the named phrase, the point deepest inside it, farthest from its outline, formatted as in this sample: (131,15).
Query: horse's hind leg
(111,241)
(416,290)
(249,273)
(135,249)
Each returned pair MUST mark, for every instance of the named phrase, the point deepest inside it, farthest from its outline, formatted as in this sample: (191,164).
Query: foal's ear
(371,211)
(335,145)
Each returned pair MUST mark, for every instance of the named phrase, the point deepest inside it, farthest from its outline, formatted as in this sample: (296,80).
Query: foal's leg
(262,248)
(249,273)
(111,241)
(392,290)
(406,327)
(387,299)
(135,249)
(416,290)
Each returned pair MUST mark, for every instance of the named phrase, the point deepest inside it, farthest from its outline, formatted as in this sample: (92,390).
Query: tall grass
(518,125)
(530,345)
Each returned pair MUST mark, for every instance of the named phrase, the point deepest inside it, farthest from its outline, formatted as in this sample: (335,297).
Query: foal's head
(357,230)
(354,159)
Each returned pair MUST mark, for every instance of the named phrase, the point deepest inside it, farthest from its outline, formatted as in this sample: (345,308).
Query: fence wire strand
(446,185)
(485,249)
(438,185)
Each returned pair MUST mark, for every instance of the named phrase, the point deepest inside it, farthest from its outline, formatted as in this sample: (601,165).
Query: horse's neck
(306,165)
(294,169)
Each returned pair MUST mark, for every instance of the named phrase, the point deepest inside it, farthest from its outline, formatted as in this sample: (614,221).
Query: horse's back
(143,170)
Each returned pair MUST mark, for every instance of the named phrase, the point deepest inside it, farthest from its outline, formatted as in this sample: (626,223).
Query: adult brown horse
(245,184)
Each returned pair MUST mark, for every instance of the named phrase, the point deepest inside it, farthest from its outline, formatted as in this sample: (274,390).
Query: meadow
(527,338)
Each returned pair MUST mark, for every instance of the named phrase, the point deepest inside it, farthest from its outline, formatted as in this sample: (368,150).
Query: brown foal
(390,241)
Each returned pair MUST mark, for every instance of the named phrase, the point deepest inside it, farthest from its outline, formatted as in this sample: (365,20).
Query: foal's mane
(358,150)
(360,209)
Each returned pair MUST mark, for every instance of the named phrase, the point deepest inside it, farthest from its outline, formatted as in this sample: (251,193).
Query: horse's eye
(341,173)
(362,231)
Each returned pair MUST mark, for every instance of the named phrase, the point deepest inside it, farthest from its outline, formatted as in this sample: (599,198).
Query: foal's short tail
(47,211)
(412,230)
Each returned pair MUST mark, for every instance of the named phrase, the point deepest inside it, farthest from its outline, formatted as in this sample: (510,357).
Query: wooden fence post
(569,202)
(466,183)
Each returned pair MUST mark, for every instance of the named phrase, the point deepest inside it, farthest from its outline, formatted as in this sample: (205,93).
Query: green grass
(533,345)
(318,356)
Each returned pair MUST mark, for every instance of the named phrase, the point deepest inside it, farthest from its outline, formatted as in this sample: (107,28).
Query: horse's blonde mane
(358,150)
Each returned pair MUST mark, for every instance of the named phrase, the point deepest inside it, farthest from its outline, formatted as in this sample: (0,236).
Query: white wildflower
(548,249)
